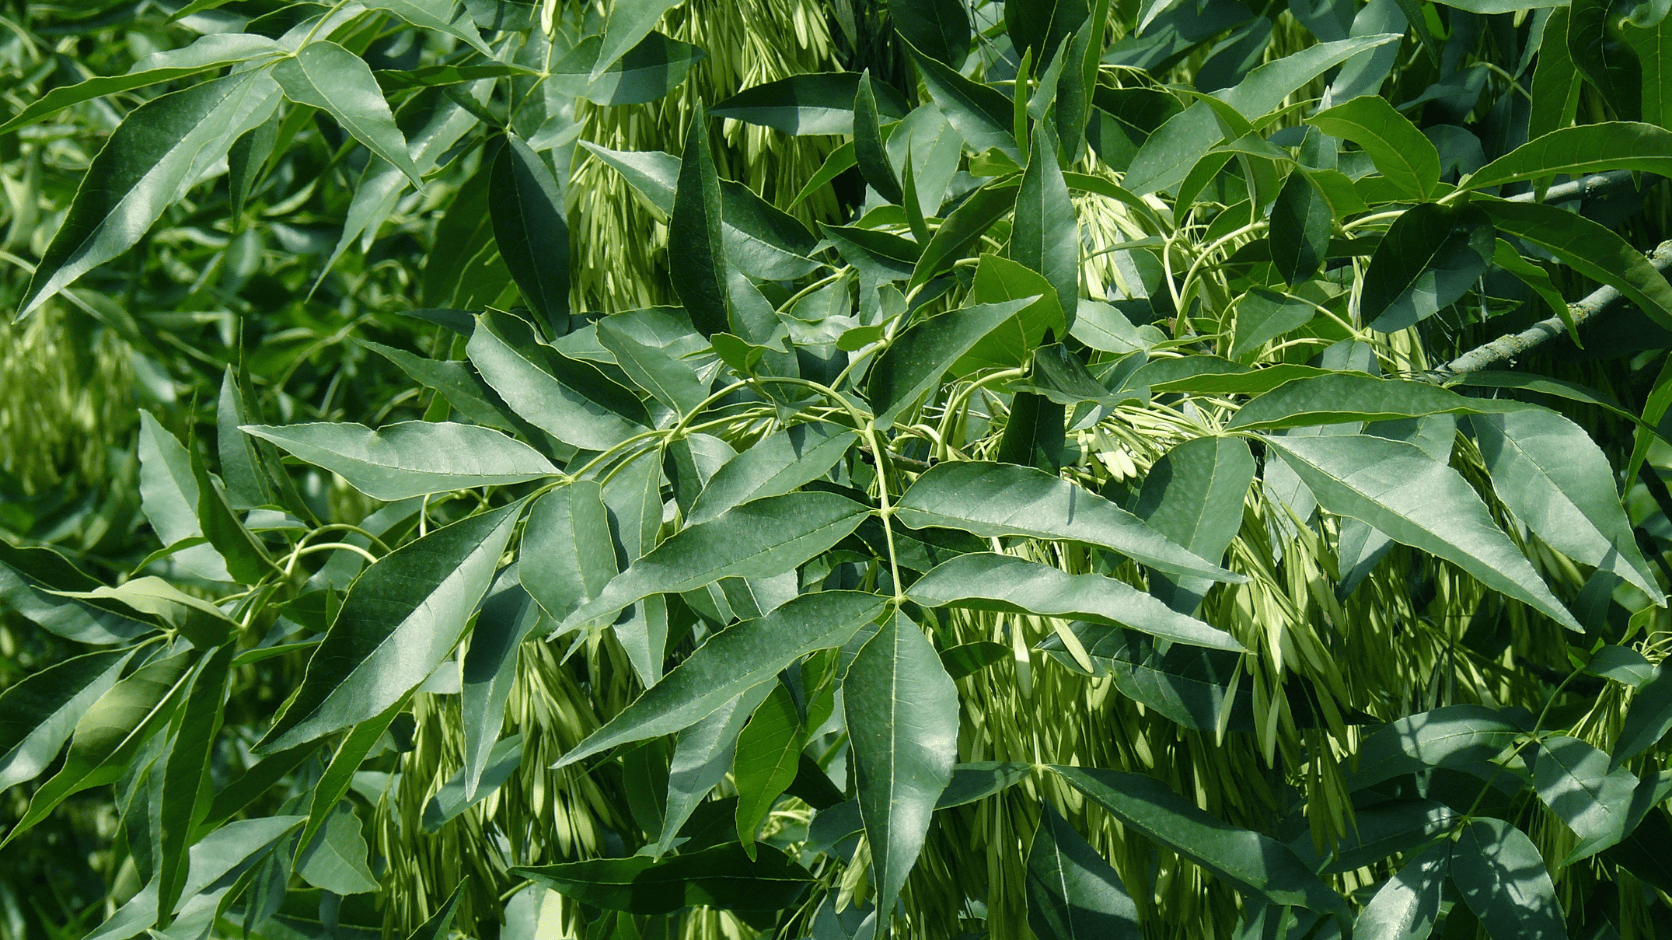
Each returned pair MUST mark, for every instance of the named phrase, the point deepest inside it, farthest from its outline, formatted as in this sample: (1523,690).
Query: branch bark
(1511,345)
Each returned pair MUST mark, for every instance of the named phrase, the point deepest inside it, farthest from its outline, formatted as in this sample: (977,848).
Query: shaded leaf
(1300,224)
(810,103)
(1045,235)
(1431,256)
(721,877)
(940,29)
(698,269)
(1590,249)
(1574,779)
(1072,892)
(529,228)
(1249,861)
(566,397)
(1502,878)
(766,761)
(567,553)
(1459,737)
(1193,495)
(1406,905)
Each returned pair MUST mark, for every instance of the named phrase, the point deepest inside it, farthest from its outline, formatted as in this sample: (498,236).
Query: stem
(962,395)
(1507,347)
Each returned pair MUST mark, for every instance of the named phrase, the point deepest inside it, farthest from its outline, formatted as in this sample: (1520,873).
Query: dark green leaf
(1647,719)
(698,269)
(963,229)
(940,29)
(1168,154)
(437,926)
(1186,684)
(1045,235)
(761,539)
(401,617)
(868,147)
(246,558)
(1557,481)
(567,398)
(647,72)
(532,235)
(734,660)
(110,733)
(1403,155)
(1603,57)
(1033,437)
(472,785)
(1381,830)
(186,782)
(1502,878)
(1430,256)
(326,76)
(1621,664)
(1420,502)
(488,672)
(1041,25)
(38,712)
(1590,249)
(1300,225)
(335,860)
(766,761)
(702,756)
(412,458)
(1575,781)
(812,103)
(1248,860)
(772,466)
(902,715)
(567,555)
(1591,148)
(1406,906)
(970,658)
(1265,88)
(1339,397)
(1459,737)
(148,164)
(721,877)
(985,581)
(1072,892)
(1264,315)
(914,362)
(989,499)
(980,113)
(1193,495)
(974,782)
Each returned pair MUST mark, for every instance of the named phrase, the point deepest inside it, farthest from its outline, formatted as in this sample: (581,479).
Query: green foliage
(1060,510)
